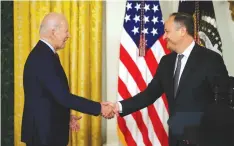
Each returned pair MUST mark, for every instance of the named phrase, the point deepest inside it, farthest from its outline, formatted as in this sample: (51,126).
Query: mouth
(167,41)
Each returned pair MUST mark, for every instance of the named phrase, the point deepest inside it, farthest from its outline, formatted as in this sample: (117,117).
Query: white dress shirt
(186,54)
(52,48)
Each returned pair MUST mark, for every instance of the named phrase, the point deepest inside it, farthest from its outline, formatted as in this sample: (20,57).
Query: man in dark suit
(48,100)
(186,76)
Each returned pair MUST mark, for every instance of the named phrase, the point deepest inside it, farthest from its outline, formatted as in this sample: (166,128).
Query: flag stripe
(132,68)
(133,52)
(164,98)
(147,126)
(131,123)
(121,136)
(162,112)
(127,134)
(133,90)
(158,128)
(123,91)
(151,62)
(128,80)
(164,45)
(158,51)
(135,73)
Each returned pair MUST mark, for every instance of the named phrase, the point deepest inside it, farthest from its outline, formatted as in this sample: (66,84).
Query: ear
(53,32)
(183,31)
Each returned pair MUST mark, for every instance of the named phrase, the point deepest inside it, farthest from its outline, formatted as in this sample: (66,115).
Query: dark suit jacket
(48,100)
(194,92)
(217,126)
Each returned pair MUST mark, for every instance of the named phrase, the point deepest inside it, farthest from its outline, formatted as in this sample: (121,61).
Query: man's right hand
(114,107)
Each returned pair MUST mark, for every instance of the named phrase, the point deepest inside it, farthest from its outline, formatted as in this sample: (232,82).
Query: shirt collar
(188,50)
(52,48)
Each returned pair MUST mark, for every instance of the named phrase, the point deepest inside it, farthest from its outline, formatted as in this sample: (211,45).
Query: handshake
(109,109)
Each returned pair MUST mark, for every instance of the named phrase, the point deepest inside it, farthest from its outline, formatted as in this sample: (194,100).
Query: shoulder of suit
(169,56)
(43,49)
(40,53)
(207,52)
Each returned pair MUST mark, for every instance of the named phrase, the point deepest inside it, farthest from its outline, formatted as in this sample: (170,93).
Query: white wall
(114,23)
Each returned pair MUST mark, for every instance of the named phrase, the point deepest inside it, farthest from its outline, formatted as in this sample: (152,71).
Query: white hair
(50,22)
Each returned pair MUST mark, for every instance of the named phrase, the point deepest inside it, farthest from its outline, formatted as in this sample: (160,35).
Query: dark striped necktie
(177,74)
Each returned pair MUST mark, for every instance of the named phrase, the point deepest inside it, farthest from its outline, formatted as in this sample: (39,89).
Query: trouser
(35,141)
(176,141)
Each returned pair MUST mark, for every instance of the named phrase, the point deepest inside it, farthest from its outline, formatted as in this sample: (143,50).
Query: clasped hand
(109,109)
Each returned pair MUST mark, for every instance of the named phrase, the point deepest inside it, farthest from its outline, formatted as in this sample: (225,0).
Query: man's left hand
(74,125)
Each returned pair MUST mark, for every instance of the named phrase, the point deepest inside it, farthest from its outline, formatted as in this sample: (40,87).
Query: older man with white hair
(48,100)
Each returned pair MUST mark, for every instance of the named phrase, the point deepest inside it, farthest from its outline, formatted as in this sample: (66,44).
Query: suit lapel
(191,64)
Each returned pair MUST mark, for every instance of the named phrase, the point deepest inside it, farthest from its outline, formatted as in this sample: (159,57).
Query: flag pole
(142,34)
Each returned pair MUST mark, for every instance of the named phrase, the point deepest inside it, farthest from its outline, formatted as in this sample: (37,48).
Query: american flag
(148,126)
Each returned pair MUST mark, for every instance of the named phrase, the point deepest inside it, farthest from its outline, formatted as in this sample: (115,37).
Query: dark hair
(186,20)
